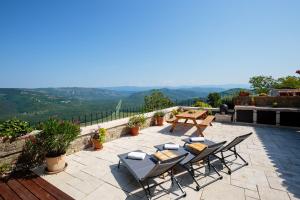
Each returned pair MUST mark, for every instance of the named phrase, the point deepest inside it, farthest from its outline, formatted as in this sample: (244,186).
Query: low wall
(10,151)
(264,101)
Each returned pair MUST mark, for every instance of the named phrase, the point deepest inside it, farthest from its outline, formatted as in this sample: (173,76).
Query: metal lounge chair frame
(204,156)
(157,169)
(232,148)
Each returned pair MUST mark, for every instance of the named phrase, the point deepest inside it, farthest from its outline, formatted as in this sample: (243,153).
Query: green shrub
(137,120)
(228,100)
(202,104)
(57,136)
(14,128)
(100,135)
(5,168)
(159,114)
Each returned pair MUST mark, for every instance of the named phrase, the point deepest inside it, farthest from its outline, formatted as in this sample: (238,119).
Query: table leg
(198,128)
(174,125)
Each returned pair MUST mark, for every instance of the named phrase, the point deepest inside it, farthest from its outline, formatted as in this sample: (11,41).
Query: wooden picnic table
(190,115)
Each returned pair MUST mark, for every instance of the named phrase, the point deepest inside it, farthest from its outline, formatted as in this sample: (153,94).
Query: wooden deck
(29,186)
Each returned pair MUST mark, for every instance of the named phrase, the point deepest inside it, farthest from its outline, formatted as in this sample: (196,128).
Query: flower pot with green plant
(135,123)
(56,137)
(159,118)
(99,138)
(244,93)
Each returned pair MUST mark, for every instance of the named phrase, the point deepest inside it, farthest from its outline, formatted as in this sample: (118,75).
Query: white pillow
(197,139)
(136,155)
(171,146)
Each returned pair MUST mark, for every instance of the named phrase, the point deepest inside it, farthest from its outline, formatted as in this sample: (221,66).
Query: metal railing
(119,112)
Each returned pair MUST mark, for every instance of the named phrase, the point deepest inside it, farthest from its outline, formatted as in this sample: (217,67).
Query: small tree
(157,100)
(262,84)
(289,82)
(214,99)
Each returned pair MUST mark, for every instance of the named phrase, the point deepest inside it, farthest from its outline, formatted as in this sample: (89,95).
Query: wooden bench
(207,121)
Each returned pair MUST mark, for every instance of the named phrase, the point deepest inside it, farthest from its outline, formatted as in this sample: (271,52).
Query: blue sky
(146,43)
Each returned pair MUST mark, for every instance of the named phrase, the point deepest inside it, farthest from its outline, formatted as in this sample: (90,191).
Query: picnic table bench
(193,116)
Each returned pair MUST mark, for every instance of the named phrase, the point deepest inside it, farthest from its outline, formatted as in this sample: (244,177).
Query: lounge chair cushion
(138,168)
(196,147)
(165,155)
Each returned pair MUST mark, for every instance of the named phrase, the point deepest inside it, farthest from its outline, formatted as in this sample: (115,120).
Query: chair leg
(146,190)
(119,164)
(180,187)
(222,159)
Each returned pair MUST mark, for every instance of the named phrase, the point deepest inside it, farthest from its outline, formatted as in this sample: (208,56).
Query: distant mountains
(38,104)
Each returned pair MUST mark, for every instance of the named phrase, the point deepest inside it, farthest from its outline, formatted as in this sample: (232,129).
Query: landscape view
(150,100)
(36,105)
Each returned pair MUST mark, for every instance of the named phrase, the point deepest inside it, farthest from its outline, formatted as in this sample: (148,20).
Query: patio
(272,153)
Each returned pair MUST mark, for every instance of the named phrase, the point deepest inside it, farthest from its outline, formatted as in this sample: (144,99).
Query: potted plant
(99,138)
(244,93)
(159,117)
(135,123)
(56,137)
(263,94)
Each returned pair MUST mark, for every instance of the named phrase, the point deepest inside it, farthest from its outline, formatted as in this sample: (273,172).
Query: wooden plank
(38,191)
(57,193)
(207,121)
(7,193)
(19,189)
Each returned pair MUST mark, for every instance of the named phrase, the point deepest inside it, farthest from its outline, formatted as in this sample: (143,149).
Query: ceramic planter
(56,164)
(159,121)
(134,131)
(97,145)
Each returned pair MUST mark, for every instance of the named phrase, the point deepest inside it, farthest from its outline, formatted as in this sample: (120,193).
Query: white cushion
(197,139)
(171,146)
(136,155)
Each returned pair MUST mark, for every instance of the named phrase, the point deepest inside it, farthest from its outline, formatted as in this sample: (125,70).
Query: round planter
(159,121)
(134,131)
(97,144)
(244,94)
(56,164)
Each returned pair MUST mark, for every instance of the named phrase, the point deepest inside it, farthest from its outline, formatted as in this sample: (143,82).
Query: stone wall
(10,151)
(264,101)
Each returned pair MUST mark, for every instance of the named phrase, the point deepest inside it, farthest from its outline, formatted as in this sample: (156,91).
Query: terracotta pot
(56,164)
(159,121)
(97,144)
(134,131)
(244,94)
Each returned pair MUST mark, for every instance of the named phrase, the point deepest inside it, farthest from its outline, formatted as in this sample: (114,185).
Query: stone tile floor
(273,172)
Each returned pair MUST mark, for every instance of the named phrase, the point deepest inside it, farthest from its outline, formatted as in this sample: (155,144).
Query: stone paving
(273,171)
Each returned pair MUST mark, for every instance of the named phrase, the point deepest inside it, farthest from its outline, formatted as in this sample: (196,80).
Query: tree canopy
(157,100)
(214,99)
(262,84)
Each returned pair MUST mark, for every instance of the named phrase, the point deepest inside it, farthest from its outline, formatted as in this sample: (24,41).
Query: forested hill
(38,104)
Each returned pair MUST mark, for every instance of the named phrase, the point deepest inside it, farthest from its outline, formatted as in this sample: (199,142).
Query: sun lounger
(193,159)
(231,147)
(150,168)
